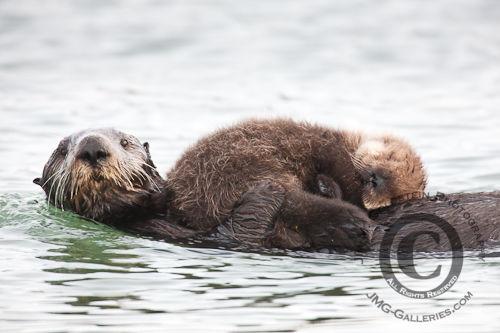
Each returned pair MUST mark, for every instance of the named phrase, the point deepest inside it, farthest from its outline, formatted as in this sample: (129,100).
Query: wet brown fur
(119,188)
(213,174)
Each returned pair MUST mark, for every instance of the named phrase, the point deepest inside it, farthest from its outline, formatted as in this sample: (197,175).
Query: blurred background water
(170,71)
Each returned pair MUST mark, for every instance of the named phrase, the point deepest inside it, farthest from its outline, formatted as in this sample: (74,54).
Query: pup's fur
(213,174)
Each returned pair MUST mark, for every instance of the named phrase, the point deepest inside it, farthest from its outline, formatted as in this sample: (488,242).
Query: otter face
(99,173)
(390,170)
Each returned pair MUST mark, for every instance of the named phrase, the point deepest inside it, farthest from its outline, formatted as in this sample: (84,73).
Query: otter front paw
(327,187)
(351,229)
(252,219)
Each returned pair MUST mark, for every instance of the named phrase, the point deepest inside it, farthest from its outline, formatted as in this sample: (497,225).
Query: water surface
(171,71)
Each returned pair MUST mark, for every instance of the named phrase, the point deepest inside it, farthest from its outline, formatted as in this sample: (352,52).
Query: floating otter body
(473,217)
(109,176)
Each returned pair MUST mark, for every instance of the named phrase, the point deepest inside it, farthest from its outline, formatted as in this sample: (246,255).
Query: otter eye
(62,149)
(124,143)
(373,180)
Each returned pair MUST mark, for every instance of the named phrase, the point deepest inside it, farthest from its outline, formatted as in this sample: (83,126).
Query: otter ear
(38,181)
(149,160)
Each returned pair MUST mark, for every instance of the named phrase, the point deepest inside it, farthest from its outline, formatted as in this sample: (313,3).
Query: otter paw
(252,219)
(328,188)
(351,230)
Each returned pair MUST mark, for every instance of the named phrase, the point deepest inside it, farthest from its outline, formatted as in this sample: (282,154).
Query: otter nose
(92,150)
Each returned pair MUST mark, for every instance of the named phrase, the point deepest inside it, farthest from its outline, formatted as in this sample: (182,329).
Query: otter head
(100,174)
(391,171)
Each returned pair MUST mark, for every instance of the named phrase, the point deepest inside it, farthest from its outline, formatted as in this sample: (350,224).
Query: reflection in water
(99,254)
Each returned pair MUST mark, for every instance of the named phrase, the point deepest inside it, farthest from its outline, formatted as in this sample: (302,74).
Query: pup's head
(390,169)
(99,173)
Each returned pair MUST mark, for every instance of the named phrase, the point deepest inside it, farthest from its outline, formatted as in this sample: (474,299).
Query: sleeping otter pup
(371,172)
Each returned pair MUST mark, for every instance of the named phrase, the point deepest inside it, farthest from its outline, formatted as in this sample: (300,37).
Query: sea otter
(108,176)
(371,172)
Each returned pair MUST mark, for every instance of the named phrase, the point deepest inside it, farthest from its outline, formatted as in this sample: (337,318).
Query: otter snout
(93,150)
